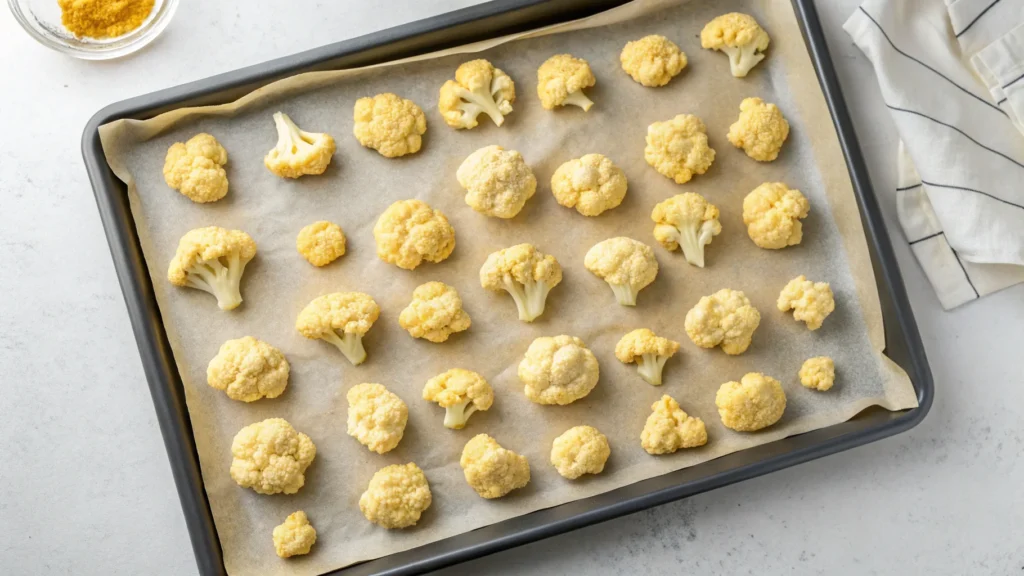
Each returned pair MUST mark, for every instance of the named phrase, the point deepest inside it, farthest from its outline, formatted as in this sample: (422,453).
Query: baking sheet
(360,184)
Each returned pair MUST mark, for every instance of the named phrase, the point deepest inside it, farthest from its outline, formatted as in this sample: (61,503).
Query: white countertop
(86,484)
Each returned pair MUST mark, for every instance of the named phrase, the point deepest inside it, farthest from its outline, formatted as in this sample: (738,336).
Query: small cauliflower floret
(591,184)
(739,36)
(627,265)
(248,369)
(818,373)
(527,274)
(321,243)
(341,318)
(410,231)
(580,450)
(396,497)
(668,428)
(271,457)
(561,80)
(435,313)
(295,537)
(492,470)
(498,182)
(678,148)
(652,60)
(810,302)
(558,370)
(389,124)
(478,88)
(772,213)
(376,417)
(196,168)
(461,393)
(755,402)
(298,152)
(760,131)
(688,221)
(648,350)
(726,319)
(212,259)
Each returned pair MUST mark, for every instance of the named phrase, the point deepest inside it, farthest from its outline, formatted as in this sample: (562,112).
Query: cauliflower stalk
(298,152)
(341,318)
(527,274)
(760,131)
(561,80)
(396,497)
(376,417)
(668,428)
(321,243)
(725,318)
(580,450)
(196,168)
(648,350)
(410,231)
(755,402)
(558,370)
(212,259)
(678,148)
(591,184)
(461,393)
(772,213)
(295,536)
(687,221)
(248,369)
(435,313)
(389,124)
(478,88)
(271,457)
(652,60)
(498,182)
(818,373)
(492,470)
(811,302)
(739,36)
(627,265)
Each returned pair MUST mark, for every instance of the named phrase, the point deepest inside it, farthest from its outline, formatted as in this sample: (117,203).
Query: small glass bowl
(41,19)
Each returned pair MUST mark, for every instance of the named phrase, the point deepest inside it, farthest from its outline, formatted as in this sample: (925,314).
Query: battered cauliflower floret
(461,393)
(652,60)
(435,313)
(739,36)
(810,302)
(526,273)
(561,80)
(391,125)
(295,537)
(492,470)
(196,168)
(298,152)
(376,417)
(212,259)
(668,428)
(591,184)
(410,231)
(688,221)
(558,370)
(818,373)
(627,265)
(725,318)
(760,131)
(341,318)
(580,450)
(478,88)
(396,497)
(678,148)
(321,243)
(755,402)
(772,213)
(648,350)
(248,369)
(271,457)
(498,182)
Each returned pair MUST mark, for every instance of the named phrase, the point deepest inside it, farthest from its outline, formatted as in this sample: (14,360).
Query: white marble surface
(86,488)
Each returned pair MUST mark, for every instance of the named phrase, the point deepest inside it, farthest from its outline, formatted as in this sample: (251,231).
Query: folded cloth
(952,76)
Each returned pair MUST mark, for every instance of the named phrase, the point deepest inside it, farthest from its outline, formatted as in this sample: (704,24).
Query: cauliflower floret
(321,243)
(525,273)
(652,60)
(580,450)
(271,457)
(492,470)
(410,231)
(739,36)
(461,393)
(298,152)
(755,402)
(478,87)
(558,370)
(561,80)
(248,369)
(688,221)
(212,259)
(726,319)
(396,497)
(668,428)
(818,373)
(341,318)
(391,125)
(760,131)
(772,213)
(678,148)
(498,182)
(627,265)
(376,417)
(295,537)
(810,302)
(196,168)
(435,313)
(591,184)
(648,350)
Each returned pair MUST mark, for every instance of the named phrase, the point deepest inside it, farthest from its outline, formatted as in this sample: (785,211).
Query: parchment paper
(360,184)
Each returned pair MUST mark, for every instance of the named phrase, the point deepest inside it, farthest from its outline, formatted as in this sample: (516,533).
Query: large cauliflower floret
(678,148)
(755,402)
(271,457)
(341,318)
(498,182)
(196,168)
(492,470)
(527,274)
(772,213)
(668,428)
(726,319)
(648,350)
(818,373)
(321,243)
(688,221)
(810,302)
(410,231)
(461,393)
(212,259)
(248,369)
(760,131)
(298,152)
(376,417)
(478,88)
(390,124)
(652,60)
(561,80)
(591,184)
(435,313)
(295,537)
(558,370)
(396,497)
(739,36)
(580,450)
(627,265)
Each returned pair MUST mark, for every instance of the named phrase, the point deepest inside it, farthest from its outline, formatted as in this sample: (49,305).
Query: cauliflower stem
(651,366)
(482,100)
(530,297)
(693,240)
(742,58)
(222,281)
(624,294)
(350,344)
(578,98)
(456,415)
(291,139)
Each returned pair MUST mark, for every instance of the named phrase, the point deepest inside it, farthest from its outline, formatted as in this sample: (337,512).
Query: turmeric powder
(103,18)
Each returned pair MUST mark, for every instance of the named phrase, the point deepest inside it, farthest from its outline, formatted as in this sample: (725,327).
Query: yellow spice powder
(103,18)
